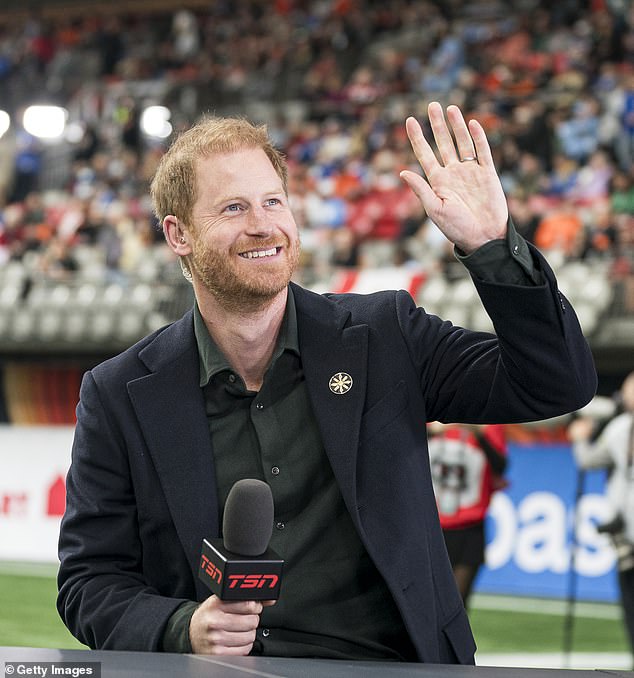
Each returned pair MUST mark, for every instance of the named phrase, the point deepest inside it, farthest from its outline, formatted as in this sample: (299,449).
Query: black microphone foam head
(247,523)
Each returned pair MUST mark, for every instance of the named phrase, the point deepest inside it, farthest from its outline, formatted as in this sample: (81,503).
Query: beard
(235,287)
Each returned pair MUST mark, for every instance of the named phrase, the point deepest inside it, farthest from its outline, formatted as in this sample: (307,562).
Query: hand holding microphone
(243,573)
(222,627)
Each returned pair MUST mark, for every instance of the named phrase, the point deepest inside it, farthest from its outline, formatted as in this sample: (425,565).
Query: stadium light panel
(45,122)
(155,121)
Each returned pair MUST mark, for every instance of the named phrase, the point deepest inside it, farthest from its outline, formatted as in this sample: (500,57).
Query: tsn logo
(253,581)
(210,569)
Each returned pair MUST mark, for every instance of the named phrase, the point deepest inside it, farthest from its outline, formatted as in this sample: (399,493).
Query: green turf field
(28,615)
(28,618)
(504,631)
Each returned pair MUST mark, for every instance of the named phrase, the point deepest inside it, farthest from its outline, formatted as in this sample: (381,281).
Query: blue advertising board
(541,530)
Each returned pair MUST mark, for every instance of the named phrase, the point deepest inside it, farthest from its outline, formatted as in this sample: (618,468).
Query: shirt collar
(211,358)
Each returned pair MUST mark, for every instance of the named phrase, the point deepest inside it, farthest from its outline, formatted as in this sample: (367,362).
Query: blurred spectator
(185,36)
(553,84)
(601,234)
(27,166)
(614,449)
(562,179)
(621,189)
(468,465)
(560,229)
(625,146)
(57,261)
(524,217)
(593,179)
(578,134)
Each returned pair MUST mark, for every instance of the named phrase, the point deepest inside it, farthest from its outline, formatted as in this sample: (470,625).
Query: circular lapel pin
(340,383)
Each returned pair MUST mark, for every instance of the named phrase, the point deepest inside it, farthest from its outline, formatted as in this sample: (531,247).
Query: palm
(463,198)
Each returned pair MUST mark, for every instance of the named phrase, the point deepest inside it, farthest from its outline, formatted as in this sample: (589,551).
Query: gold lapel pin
(340,383)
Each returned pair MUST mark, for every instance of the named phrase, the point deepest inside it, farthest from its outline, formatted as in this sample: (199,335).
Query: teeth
(255,254)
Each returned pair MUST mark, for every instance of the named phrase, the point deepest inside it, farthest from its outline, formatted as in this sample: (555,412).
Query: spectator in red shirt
(468,465)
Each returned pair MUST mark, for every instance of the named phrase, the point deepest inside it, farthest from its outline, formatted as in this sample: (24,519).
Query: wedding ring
(468,158)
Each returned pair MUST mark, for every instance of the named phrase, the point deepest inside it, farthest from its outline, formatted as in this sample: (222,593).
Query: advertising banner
(539,527)
(33,465)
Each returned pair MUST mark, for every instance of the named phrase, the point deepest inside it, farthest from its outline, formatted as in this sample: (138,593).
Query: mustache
(259,244)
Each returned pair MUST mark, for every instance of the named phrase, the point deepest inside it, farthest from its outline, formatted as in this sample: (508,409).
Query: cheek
(214,237)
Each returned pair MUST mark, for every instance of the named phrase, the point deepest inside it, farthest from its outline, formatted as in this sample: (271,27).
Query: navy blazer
(141,489)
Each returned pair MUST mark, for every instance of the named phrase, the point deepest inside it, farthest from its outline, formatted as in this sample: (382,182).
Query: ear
(176,236)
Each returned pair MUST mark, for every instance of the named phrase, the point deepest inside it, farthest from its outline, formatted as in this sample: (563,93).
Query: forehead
(244,168)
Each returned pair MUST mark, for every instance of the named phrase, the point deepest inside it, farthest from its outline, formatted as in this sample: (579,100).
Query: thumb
(422,189)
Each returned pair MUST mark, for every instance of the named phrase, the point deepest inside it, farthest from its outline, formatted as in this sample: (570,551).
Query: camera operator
(613,448)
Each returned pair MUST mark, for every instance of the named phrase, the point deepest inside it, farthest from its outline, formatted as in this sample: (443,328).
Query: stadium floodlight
(45,122)
(5,122)
(155,121)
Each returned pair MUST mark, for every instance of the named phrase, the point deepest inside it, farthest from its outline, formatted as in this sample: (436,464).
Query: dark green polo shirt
(273,435)
(333,602)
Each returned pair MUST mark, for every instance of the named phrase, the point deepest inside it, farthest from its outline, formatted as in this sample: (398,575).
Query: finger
(236,644)
(481,143)
(237,623)
(422,150)
(462,135)
(232,639)
(423,190)
(219,620)
(244,607)
(442,135)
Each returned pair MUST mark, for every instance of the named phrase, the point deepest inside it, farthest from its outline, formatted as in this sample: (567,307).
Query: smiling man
(324,397)
(241,241)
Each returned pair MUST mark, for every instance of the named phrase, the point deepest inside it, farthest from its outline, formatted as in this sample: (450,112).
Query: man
(613,448)
(324,397)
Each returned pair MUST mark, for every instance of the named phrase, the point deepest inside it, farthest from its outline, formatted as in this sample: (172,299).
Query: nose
(260,222)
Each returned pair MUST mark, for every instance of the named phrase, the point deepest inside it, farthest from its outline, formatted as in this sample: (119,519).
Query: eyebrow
(232,198)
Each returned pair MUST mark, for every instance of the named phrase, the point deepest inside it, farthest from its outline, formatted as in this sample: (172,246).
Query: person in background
(324,397)
(467,467)
(613,448)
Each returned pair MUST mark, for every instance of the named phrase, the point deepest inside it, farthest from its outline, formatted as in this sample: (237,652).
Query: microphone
(240,566)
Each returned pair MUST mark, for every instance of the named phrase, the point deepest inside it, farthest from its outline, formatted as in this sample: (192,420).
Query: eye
(234,207)
(273,201)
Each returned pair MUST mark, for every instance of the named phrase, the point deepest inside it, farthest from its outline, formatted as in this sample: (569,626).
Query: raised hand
(461,191)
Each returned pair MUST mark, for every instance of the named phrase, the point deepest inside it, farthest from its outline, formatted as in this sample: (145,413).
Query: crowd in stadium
(552,83)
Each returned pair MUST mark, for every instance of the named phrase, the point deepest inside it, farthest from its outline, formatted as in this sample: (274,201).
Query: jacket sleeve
(537,365)
(103,598)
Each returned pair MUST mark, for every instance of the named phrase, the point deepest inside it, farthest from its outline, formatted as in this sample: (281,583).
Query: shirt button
(265,633)
(275,470)
(259,406)
(232,378)
(516,249)
(280,525)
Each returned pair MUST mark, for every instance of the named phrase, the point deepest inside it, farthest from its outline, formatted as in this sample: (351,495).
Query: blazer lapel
(334,358)
(170,408)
